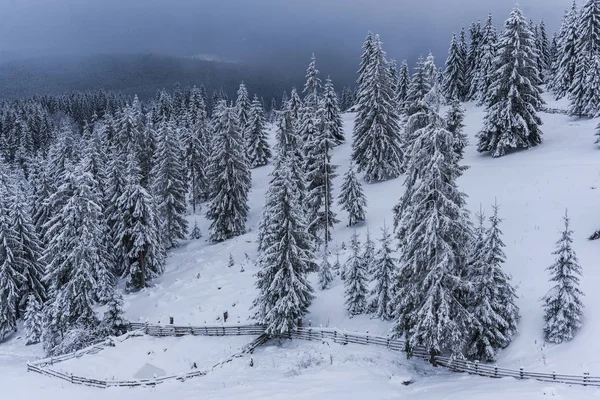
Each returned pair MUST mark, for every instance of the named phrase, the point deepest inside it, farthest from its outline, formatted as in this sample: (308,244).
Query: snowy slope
(532,187)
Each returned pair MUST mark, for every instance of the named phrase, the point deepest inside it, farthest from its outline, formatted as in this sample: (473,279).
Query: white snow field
(532,187)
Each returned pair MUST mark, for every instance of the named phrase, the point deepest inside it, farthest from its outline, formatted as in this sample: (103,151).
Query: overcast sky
(248,29)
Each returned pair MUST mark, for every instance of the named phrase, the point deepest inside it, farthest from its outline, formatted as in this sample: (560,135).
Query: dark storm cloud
(273,30)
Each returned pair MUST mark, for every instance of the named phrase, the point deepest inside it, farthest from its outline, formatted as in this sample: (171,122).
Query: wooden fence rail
(341,337)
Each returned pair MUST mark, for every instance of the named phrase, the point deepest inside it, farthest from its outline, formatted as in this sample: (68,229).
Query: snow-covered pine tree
(312,87)
(243,106)
(511,120)
(384,272)
(453,76)
(483,75)
(430,70)
(259,151)
(543,51)
(584,93)
(436,231)
(138,231)
(464,55)
(565,64)
(352,198)
(195,233)
(329,113)
(325,275)
(285,254)
(493,297)
(231,262)
(76,257)
(230,179)
(28,251)
(169,185)
(11,278)
(563,308)
(403,84)
(113,322)
(417,90)
(294,105)
(474,53)
(356,279)
(454,120)
(33,320)
(376,149)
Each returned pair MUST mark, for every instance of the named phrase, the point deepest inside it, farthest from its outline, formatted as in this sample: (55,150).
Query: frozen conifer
(403,84)
(511,120)
(195,233)
(563,308)
(243,106)
(325,274)
(383,275)
(230,180)
(33,320)
(356,274)
(230,263)
(565,63)
(259,151)
(329,113)
(113,322)
(454,75)
(376,149)
(312,87)
(352,198)
(494,297)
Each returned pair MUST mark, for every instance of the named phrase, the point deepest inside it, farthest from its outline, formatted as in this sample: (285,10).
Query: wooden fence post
(553,375)
(309,333)
(171,320)
(495,371)
(476,367)
(586,377)
(521,373)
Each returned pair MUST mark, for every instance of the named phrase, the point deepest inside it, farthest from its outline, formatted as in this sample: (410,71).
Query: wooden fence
(341,337)
(550,110)
(43,366)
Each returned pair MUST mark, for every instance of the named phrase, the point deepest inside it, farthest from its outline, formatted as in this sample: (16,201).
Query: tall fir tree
(230,180)
(511,120)
(474,53)
(454,120)
(584,94)
(403,85)
(329,113)
(138,231)
(376,149)
(169,185)
(464,55)
(356,279)
(544,52)
(259,151)
(313,85)
(113,322)
(482,77)
(433,248)
(33,321)
(563,308)
(454,74)
(243,106)
(565,64)
(352,198)
(325,274)
(384,274)
(493,299)
(285,254)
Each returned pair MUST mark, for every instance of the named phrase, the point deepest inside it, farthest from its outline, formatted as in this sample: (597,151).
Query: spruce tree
(454,119)
(543,51)
(511,120)
(195,233)
(376,149)
(329,113)
(259,151)
(417,90)
(138,231)
(563,308)
(433,248)
(33,320)
(384,275)
(352,198)
(356,279)
(230,180)
(585,88)
(312,87)
(325,275)
(113,322)
(565,64)
(243,106)
(474,53)
(494,297)
(285,254)
(454,75)
(169,186)
(294,106)
(464,55)
(403,84)
(482,77)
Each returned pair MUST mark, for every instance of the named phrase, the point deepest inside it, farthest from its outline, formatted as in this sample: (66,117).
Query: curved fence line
(43,366)
(338,336)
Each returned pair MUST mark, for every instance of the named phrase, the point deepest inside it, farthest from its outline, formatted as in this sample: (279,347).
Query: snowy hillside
(532,187)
